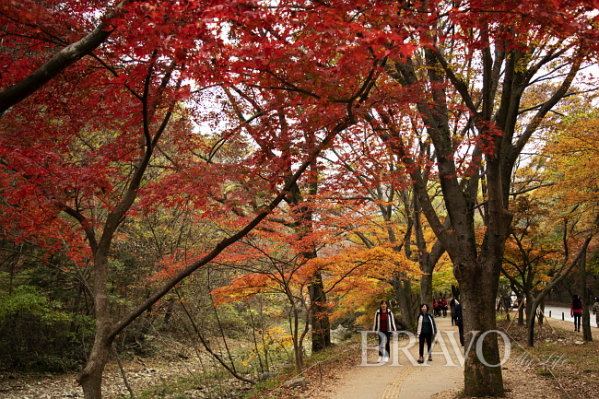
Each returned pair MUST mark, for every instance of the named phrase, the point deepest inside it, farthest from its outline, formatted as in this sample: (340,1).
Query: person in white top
(384,325)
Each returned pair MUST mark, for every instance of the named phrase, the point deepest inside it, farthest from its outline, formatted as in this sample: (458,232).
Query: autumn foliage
(113,112)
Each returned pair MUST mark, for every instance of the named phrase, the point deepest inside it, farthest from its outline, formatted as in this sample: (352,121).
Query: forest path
(402,377)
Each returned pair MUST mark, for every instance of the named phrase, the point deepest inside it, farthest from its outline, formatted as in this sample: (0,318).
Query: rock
(340,333)
(296,382)
(266,376)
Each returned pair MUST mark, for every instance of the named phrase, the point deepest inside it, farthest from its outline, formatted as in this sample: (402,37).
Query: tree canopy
(227,110)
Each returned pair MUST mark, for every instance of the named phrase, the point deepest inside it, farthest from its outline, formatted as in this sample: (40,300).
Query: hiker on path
(452,304)
(444,306)
(425,331)
(436,308)
(459,320)
(384,325)
(596,310)
(576,311)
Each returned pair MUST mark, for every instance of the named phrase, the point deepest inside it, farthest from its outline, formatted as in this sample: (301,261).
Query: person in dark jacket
(576,311)
(596,310)
(425,331)
(459,320)
(452,304)
(384,322)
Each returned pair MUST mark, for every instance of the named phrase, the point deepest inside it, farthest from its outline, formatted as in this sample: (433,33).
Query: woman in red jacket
(384,324)
(576,311)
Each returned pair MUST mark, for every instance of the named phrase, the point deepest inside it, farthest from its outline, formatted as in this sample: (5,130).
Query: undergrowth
(559,354)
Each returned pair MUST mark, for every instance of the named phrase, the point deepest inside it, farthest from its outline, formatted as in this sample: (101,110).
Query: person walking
(576,311)
(384,325)
(596,310)
(444,306)
(452,304)
(425,331)
(459,320)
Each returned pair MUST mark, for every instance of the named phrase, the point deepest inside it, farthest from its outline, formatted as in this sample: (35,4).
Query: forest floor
(560,366)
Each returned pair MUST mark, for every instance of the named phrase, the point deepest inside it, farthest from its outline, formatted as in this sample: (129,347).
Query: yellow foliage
(272,338)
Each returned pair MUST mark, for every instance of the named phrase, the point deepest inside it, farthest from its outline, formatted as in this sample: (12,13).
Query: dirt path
(402,377)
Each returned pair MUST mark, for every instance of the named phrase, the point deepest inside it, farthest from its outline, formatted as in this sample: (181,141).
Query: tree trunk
(403,291)
(478,294)
(318,311)
(529,311)
(521,311)
(587,335)
(319,315)
(297,342)
(91,376)
(426,287)
(479,286)
(531,323)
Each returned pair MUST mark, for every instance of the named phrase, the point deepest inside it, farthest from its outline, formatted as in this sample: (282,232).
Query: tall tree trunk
(478,302)
(584,295)
(426,286)
(298,349)
(521,310)
(91,377)
(530,323)
(528,309)
(319,314)
(318,311)
(402,286)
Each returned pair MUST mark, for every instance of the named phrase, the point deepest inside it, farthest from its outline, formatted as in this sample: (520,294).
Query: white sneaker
(380,359)
(386,359)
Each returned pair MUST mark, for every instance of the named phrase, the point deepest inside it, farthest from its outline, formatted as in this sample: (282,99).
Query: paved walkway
(402,377)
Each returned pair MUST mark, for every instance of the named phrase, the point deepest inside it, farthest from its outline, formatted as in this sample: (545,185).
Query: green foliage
(37,331)
(28,299)
(593,263)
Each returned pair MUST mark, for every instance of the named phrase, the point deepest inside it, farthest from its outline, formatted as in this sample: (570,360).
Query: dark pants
(461,330)
(386,336)
(577,319)
(428,337)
